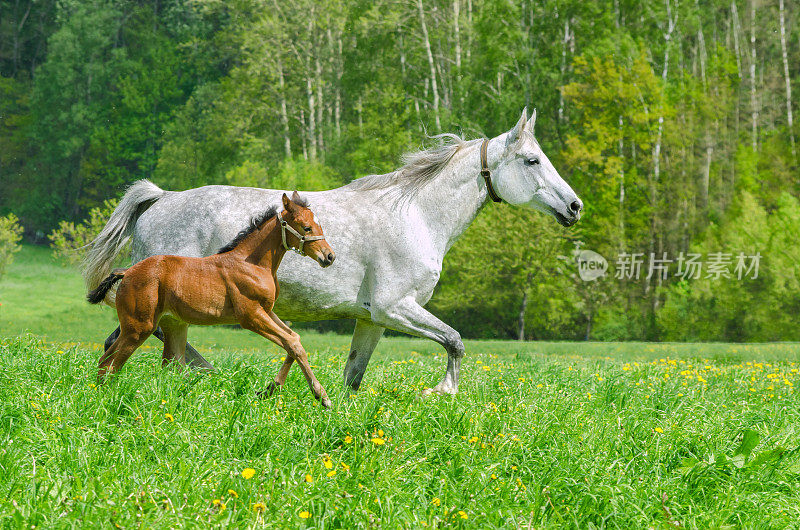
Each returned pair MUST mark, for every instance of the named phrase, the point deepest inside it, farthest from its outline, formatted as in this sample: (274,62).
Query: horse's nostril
(575,207)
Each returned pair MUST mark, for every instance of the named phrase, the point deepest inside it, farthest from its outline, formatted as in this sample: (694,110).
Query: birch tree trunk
(653,184)
(521,319)
(431,65)
(287,141)
(320,107)
(753,98)
(736,30)
(787,79)
(312,121)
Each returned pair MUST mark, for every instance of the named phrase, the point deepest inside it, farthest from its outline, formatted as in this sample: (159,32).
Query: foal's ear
(296,197)
(287,204)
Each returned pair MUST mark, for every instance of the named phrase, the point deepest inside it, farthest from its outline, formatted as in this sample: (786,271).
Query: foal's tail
(109,242)
(98,295)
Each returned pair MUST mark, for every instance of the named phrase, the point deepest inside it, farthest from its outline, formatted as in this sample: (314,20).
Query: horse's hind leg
(174,336)
(365,338)
(110,339)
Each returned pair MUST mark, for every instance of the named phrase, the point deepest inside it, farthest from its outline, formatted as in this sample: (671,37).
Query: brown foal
(236,285)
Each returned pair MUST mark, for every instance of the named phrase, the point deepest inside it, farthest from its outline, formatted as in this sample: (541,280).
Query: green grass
(541,434)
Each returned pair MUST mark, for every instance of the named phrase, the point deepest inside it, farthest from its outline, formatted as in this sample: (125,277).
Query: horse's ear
(531,122)
(516,132)
(296,197)
(287,204)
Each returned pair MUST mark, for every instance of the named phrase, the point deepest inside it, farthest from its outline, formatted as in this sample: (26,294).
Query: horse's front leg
(410,317)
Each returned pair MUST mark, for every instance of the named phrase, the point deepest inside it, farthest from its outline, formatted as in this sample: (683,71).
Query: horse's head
(526,177)
(303,232)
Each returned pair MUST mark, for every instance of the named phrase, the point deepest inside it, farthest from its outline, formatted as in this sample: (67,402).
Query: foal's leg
(175,333)
(269,329)
(283,372)
(120,351)
(193,357)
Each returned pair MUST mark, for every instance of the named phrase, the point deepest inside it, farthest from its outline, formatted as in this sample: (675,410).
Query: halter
(286,226)
(486,174)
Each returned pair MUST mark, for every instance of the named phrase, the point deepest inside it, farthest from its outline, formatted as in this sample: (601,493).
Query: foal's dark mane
(256,223)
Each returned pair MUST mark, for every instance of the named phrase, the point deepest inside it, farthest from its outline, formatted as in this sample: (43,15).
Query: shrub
(69,239)
(10,235)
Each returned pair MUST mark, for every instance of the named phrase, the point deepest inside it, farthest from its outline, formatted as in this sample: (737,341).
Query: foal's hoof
(271,388)
(326,403)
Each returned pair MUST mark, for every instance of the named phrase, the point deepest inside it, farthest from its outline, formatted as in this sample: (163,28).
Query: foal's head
(298,216)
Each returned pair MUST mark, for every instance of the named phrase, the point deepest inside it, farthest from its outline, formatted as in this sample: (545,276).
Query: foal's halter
(286,226)
(486,174)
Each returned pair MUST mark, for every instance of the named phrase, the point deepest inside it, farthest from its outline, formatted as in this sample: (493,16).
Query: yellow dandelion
(233,494)
(331,473)
(659,430)
(327,462)
(348,439)
(248,473)
(216,502)
(380,433)
(463,514)
(259,507)
(345,466)
(169,417)
(309,478)
(494,477)
(473,439)
(378,441)
(436,501)
(304,514)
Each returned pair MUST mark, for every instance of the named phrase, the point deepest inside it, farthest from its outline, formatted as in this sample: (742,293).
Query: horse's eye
(532,161)
(307,229)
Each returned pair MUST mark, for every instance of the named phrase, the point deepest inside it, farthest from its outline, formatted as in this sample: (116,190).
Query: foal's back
(202,291)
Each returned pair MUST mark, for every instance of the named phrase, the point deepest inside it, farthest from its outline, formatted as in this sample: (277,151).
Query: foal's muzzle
(325,258)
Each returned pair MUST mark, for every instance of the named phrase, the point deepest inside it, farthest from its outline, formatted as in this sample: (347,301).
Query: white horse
(390,233)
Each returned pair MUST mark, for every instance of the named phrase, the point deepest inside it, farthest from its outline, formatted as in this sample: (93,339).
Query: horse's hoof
(442,391)
(326,403)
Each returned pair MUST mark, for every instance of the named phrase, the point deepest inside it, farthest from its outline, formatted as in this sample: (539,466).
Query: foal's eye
(307,229)
(532,161)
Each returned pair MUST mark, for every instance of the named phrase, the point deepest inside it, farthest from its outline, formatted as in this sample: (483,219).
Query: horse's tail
(109,242)
(98,295)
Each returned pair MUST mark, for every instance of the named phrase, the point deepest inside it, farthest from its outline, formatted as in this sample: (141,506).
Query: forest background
(673,120)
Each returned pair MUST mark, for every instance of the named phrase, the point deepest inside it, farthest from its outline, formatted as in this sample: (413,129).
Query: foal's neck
(264,247)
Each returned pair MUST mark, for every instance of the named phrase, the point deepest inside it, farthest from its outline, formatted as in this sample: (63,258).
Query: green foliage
(509,259)
(69,239)
(651,126)
(733,308)
(292,174)
(10,236)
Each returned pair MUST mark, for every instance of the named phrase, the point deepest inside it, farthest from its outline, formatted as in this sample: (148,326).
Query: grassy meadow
(582,435)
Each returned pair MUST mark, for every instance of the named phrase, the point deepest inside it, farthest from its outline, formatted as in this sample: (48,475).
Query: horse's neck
(264,247)
(452,200)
